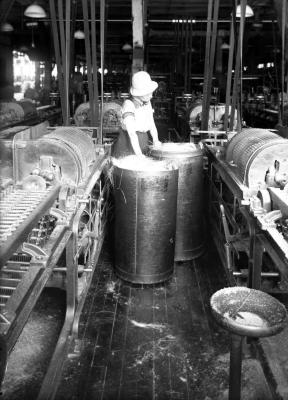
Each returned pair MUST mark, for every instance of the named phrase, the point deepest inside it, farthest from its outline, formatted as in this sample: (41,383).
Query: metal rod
(57,54)
(63,58)
(235,367)
(263,274)
(283,25)
(186,57)
(102,51)
(238,72)
(88,58)
(94,63)
(229,78)
(190,56)
(206,65)
(209,72)
(68,58)
(164,21)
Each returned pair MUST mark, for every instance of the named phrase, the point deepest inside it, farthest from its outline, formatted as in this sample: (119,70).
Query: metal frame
(255,240)
(43,264)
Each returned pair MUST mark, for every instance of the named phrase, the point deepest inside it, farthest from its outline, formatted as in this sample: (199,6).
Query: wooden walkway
(160,342)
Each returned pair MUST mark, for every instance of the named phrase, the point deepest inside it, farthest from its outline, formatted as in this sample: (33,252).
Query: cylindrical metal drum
(253,153)
(145,195)
(28,106)
(189,227)
(246,136)
(216,116)
(71,149)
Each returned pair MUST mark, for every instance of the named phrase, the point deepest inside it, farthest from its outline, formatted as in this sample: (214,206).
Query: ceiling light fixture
(6,27)
(127,47)
(225,46)
(79,34)
(35,11)
(257,24)
(248,12)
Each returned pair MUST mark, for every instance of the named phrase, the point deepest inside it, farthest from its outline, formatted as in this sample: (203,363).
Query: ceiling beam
(5,8)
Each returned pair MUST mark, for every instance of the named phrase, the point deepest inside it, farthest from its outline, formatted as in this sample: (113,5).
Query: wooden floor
(156,342)
(137,342)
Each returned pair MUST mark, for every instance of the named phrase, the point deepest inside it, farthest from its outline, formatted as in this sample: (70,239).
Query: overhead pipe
(165,21)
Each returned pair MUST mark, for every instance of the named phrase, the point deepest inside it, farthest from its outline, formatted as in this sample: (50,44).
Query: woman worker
(137,120)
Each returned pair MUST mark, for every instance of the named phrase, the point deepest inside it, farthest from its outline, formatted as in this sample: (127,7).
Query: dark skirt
(122,146)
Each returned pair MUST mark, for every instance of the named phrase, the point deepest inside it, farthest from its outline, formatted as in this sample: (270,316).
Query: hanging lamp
(35,11)
(6,27)
(225,46)
(248,11)
(79,34)
(127,47)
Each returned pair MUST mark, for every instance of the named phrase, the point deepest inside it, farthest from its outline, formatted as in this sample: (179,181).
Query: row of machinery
(53,212)
(248,207)
(54,204)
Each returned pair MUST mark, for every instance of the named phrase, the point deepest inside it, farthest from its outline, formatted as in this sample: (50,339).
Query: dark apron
(122,146)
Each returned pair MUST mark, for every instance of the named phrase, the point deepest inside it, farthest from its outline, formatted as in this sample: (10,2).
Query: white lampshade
(225,46)
(79,34)
(248,12)
(6,27)
(35,11)
(126,47)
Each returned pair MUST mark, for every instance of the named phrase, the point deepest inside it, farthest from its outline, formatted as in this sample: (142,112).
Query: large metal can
(190,222)
(145,219)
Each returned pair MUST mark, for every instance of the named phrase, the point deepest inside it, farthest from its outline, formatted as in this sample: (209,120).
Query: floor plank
(152,342)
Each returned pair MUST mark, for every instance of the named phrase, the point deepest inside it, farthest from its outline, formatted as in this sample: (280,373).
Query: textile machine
(53,206)
(248,206)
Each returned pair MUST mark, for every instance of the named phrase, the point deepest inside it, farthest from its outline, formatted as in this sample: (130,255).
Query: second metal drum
(189,225)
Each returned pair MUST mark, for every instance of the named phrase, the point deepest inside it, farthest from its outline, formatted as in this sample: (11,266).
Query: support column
(138,30)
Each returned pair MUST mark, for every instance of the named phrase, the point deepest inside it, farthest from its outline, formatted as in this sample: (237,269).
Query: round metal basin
(248,312)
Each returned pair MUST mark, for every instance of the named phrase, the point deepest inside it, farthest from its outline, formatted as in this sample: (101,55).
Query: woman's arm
(154,131)
(130,127)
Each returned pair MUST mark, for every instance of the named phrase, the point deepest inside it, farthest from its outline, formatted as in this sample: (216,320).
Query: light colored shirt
(142,115)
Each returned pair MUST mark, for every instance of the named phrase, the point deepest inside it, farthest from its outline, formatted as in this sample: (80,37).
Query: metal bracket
(34,251)
(59,214)
(268,220)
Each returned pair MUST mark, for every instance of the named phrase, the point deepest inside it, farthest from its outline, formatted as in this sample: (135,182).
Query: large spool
(111,115)
(71,149)
(215,119)
(28,106)
(145,195)
(253,152)
(189,226)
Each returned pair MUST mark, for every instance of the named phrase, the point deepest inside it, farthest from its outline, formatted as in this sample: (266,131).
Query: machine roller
(249,196)
(259,158)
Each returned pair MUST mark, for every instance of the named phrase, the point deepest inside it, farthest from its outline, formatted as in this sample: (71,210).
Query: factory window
(24,74)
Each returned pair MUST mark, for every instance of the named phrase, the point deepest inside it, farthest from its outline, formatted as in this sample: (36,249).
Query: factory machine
(25,112)
(189,117)
(111,116)
(53,213)
(248,207)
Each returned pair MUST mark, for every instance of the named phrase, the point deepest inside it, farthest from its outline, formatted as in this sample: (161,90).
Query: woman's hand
(157,144)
